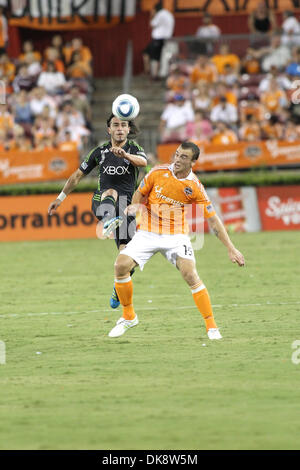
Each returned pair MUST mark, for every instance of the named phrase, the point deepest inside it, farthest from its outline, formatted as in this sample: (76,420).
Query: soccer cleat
(110,225)
(122,326)
(213,333)
(114,300)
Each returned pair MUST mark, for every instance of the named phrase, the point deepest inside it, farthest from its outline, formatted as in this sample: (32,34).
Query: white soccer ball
(125,107)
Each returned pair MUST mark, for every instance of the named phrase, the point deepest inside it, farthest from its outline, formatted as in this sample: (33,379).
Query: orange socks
(202,300)
(124,288)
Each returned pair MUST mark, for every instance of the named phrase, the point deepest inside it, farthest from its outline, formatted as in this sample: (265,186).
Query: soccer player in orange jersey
(163,228)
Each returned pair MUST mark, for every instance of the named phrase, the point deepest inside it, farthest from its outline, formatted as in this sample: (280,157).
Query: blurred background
(223,74)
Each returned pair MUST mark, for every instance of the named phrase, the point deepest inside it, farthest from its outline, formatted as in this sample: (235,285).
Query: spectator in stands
(68,112)
(177,81)
(208,32)
(174,120)
(54,52)
(7,68)
(274,99)
(162,24)
(250,130)
(23,81)
(28,49)
(262,20)
(79,69)
(45,144)
(224,111)
(48,116)
(81,104)
(65,141)
(33,66)
(290,29)
(77,47)
(52,55)
(290,132)
(22,109)
(224,91)
(250,64)
(276,55)
(79,134)
(251,107)
(293,69)
(6,119)
(230,76)
(3,31)
(203,70)
(226,57)
(3,140)
(41,129)
(223,135)
(200,129)
(39,99)
(272,129)
(53,81)
(281,78)
(23,143)
(201,96)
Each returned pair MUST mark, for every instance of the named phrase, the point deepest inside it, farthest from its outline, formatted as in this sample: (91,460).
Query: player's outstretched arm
(68,187)
(135,160)
(220,231)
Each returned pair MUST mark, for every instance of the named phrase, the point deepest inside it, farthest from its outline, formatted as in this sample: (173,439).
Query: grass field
(162,385)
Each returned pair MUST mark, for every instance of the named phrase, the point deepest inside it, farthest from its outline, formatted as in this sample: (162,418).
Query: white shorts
(145,244)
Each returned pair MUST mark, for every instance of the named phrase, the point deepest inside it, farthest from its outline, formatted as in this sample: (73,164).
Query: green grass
(157,387)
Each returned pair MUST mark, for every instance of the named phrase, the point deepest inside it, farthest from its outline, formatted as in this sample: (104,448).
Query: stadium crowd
(45,102)
(223,97)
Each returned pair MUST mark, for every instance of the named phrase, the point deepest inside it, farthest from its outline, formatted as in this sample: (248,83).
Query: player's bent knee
(123,265)
(110,192)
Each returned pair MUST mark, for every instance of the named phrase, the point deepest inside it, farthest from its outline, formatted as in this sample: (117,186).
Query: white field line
(142,308)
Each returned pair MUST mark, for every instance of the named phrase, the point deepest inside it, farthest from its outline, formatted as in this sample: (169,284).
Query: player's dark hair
(193,147)
(134,130)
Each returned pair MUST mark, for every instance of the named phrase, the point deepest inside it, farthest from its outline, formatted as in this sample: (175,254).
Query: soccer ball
(125,107)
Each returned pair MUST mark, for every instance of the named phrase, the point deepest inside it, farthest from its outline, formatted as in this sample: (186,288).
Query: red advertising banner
(26,167)
(239,155)
(279,207)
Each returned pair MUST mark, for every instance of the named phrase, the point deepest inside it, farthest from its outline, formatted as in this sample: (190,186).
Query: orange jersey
(224,138)
(167,197)
(221,60)
(208,73)
(230,97)
(272,99)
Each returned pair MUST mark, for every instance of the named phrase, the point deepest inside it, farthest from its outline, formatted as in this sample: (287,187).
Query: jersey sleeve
(202,198)
(139,151)
(91,161)
(146,184)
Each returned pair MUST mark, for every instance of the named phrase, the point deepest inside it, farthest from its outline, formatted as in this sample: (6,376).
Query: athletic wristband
(61,196)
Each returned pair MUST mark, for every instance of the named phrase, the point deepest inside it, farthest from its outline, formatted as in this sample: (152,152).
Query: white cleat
(213,333)
(111,225)
(122,326)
